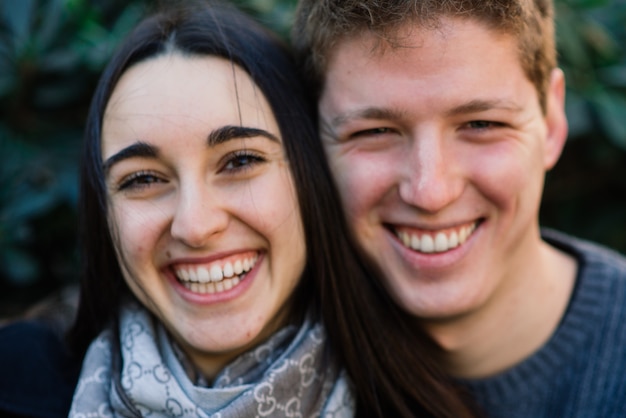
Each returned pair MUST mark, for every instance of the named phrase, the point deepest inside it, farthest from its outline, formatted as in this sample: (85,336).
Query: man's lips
(435,241)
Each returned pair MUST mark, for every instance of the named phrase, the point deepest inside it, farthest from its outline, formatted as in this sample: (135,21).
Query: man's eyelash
(373,131)
(484,124)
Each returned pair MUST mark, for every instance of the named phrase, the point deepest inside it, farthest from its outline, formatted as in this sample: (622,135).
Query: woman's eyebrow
(138,149)
(226,133)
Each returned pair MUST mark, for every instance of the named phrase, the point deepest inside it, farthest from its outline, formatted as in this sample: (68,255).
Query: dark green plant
(586,192)
(51,54)
(276,14)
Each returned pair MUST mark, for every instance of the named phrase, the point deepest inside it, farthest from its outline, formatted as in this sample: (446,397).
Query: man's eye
(242,160)
(371,132)
(139,180)
(483,124)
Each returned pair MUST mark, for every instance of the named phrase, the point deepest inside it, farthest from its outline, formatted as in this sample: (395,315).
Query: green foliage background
(52,51)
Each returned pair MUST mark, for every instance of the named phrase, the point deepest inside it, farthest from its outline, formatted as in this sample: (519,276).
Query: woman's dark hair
(383,350)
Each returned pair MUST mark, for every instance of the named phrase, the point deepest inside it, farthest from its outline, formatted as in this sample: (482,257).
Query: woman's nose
(199,216)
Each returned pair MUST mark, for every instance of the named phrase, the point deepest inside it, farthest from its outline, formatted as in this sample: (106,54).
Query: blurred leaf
(59,61)
(586,4)
(52,18)
(95,43)
(60,91)
(611,109)
(29,202)
(578,116)
(571,47)
(600,40)
(19,266)
(614,75)
(276,14)
(17,16)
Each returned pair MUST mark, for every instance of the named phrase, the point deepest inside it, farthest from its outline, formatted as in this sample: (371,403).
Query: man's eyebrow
(138,149)
(366,113)
(226,133)
(476,106)
(473,106)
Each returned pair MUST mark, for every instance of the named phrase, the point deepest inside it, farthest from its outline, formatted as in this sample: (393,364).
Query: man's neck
(515,323)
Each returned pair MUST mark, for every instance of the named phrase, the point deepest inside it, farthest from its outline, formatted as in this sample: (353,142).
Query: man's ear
(556,119)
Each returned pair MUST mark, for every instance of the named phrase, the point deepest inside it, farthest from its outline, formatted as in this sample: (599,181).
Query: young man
(440,120)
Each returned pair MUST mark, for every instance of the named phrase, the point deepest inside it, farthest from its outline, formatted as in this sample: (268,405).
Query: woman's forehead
(181,93)
(171,80)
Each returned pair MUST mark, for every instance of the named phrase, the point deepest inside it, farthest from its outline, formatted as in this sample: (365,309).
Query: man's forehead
(403,40)
(367,78)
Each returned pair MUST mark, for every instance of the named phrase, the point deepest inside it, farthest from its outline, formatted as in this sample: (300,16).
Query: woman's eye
(242,160)
(139,180)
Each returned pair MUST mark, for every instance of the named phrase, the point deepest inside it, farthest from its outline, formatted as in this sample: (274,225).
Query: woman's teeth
(215,278)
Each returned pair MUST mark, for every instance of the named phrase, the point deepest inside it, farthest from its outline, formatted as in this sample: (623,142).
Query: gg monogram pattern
(287,376)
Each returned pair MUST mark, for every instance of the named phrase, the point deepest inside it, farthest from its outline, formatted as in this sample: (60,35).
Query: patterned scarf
(287,376)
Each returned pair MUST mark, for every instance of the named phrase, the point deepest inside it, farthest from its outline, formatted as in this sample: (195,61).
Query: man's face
(440,147)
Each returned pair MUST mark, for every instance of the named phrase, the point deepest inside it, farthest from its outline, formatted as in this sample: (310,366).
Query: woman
(213,243)
(200,255)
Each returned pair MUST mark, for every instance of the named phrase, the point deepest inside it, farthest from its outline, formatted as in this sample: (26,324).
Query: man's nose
(431,177)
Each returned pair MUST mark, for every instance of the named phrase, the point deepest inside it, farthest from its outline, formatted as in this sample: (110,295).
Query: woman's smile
(217,276)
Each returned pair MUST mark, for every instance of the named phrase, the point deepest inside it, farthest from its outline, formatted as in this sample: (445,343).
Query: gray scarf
(287,376)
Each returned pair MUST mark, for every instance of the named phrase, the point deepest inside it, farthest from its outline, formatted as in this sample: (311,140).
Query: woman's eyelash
(235,162)
(241,160)
(138,180)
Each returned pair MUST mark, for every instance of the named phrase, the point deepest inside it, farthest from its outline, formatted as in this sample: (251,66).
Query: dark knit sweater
(581,371)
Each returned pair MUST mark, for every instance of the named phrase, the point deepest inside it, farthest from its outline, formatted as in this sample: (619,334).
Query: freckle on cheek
(168,254)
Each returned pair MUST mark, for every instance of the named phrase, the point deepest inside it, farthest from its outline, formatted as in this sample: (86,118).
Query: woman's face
(202,203)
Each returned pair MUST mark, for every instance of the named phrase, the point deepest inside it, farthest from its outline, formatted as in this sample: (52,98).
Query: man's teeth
(216,278)
(436,242)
